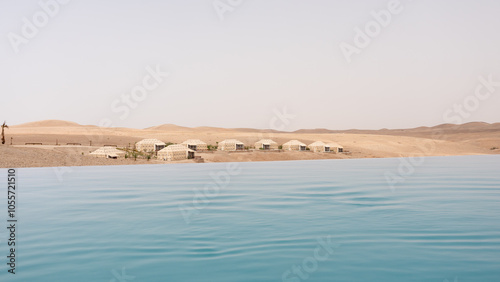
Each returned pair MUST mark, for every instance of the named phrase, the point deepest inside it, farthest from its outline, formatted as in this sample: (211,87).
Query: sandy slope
(473,138)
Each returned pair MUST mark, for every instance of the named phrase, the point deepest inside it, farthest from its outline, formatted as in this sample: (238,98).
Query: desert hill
(49,123)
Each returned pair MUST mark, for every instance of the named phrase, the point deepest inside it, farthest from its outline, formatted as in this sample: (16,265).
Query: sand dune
(169,127)
(49,123)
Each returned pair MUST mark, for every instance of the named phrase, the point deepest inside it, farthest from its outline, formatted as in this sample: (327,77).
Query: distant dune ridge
(471,126)
(168,127)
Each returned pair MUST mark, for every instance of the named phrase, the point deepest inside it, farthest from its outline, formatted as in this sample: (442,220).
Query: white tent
(108,152)
(231,145)
(318,146)
(266,144)
(195,144)
(150,145)
(294,145)
(175,153)
(334,147)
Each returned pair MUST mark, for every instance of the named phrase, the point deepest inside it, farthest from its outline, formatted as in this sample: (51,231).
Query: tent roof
(194,141)
(107,151)
(333,144)
(176,147)
(151,141)
(294,142)
(266,141)
(317,143)
(230,141)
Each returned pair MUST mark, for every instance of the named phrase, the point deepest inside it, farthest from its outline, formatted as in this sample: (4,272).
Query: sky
(280,64)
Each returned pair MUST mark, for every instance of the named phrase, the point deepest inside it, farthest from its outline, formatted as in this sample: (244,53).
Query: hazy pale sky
(238,63)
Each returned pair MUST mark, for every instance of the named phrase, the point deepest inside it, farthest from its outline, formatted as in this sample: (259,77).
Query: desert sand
(69,144)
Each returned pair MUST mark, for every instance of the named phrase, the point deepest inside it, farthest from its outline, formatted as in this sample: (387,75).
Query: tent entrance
(159,147)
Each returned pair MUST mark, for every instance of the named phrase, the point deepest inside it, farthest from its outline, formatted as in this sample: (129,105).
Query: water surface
(259,222)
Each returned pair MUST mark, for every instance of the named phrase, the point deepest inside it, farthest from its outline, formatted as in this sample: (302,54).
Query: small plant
(494,148)
(126,156)
(148,157)
(82,153)
(280,147)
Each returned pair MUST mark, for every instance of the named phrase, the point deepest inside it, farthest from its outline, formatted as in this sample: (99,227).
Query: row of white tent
(152,145)
(186,149)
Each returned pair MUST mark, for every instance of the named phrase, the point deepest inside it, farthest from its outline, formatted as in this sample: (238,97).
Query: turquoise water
(327,220)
